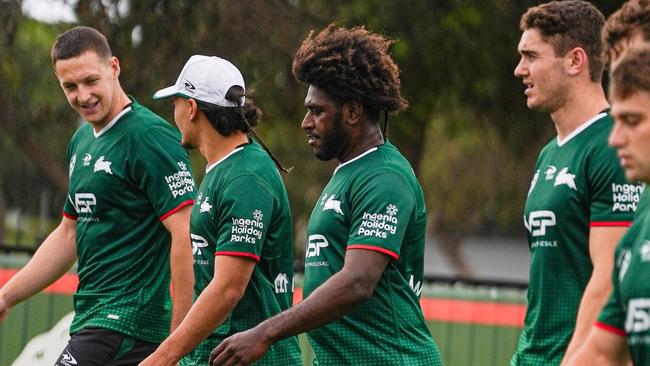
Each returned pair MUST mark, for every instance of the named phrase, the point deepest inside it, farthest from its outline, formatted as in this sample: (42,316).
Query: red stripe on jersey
(68,216)
(610,328)
(239,254)
(183,204)
(610,223)
(376,249)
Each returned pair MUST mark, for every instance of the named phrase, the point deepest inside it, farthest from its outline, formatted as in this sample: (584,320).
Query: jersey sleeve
(381,208)
(69,209)
(613,198)
(162,171)
(612,316)
(245,211)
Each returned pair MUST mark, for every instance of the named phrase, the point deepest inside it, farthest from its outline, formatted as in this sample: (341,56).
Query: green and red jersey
(578,184)
(242,209)
(124,181)
(372,202)
(627,311)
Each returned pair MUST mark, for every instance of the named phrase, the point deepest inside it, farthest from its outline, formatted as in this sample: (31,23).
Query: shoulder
(142,121)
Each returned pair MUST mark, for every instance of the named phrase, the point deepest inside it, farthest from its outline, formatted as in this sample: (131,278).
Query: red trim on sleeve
(376,249)
(173,211)
(610,223)
(68,216)
(239,254)
(610,328)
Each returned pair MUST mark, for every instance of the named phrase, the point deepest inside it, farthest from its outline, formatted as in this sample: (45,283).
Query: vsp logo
(638,316)
(198,242)
(538,221)
(315,244)
(84,202)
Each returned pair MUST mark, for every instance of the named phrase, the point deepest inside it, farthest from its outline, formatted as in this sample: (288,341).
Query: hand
(242,348)
(4,308)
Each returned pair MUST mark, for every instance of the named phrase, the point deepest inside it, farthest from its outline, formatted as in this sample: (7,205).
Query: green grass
(460,344)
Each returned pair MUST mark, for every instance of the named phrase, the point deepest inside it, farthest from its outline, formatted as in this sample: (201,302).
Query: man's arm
(52,259)
(231,277)
(602,244)
(350,287)
(602,348)
(181,263)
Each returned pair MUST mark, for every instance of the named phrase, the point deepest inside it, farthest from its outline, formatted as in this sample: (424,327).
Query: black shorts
(103,347)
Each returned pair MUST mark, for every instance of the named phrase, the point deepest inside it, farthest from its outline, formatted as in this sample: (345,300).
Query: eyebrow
(528,52)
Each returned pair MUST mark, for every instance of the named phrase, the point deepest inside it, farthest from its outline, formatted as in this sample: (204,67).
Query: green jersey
(124,181)
(578,184)
(242,209)
(627,311)
(372,202)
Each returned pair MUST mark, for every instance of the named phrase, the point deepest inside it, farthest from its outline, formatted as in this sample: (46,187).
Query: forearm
(52,259)
(182,274)
(601,348)
(210,310)
(331,301)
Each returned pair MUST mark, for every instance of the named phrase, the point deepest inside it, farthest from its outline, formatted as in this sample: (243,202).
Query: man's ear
(115,66)
(194,109)
(352,112)
(575,61)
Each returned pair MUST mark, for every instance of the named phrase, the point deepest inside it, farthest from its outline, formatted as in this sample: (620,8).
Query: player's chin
(633,175)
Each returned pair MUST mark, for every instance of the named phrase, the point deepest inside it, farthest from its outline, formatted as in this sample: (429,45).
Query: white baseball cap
(205,78)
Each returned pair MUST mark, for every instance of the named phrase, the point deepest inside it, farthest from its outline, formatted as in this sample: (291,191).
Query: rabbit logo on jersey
(379,224)
(73,161)
(247,231)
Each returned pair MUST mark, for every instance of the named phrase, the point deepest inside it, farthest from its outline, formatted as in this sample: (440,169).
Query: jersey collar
(112,122)
(209,167)
(580,128)
(372,149)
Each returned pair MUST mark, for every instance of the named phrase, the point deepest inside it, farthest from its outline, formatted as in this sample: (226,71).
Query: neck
(367,138)
(121,100)
(579,108)
(214,146)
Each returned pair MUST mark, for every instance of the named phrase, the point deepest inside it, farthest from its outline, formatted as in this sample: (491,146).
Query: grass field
(461,344)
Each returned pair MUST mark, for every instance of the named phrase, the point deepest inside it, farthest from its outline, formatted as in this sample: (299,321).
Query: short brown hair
(630,75)
(78,40)
(623,24)
(351,64)
(569,24)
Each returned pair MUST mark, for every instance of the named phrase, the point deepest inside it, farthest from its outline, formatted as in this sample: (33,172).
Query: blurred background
(467,133)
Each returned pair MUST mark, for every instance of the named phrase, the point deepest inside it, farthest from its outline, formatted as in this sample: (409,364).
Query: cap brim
(166,92)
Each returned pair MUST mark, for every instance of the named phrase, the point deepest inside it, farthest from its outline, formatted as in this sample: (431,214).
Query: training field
(472,325)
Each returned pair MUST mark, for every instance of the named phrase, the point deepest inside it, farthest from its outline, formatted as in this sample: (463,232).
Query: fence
(474,323)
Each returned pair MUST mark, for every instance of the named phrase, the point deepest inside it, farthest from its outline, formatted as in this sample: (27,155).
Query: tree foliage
(467,132)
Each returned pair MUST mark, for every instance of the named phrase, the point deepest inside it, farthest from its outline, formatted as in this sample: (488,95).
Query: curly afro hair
(351,64)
